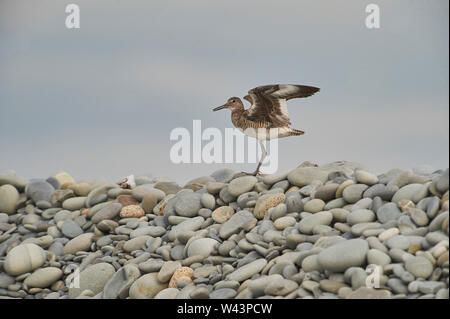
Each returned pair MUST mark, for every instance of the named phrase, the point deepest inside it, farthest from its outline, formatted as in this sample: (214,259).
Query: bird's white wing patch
(283,104)
(252,108)
(285,90)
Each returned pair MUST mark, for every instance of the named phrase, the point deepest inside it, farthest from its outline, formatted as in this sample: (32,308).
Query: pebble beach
(312,232)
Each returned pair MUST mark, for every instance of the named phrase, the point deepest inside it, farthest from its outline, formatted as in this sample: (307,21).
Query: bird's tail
(295,132)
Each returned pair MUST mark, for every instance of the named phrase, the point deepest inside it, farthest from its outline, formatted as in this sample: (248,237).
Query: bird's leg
(264,154)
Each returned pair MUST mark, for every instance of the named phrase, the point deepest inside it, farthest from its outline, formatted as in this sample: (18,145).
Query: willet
(267,116)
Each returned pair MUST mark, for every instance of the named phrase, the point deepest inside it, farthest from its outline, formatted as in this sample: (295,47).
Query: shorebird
(267,116)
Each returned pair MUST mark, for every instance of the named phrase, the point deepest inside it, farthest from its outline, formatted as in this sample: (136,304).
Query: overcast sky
(101,101)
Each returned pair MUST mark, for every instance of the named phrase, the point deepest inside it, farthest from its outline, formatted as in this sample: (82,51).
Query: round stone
(24,258)
(247,271)
(71,229)
(284,222)
(242,185)
(107,226)
(280,287)
(223,293)
(326,192)
(183,273)
(43,277)
(80,189)
(191,224)
(274,178)
(154,231)
(108,212)
(303,176)
(93,278)
(354,193)
(267,201)
(64,179)
(202,246)
(377,257)
(74,203)
(6,280)
(126,200)
(369,293)
(139,192)
(9,197)
(167,270)
(119,284)
(241,220)
(418,216)
(223,175)
(200,293)
(443,181)
(208,201)
(39,190)
(258,285)
(132,211)
(413,192)
(149,202)
(331,286)
(367,178)
(168,293)
(4,218)
(18,182)
(135,243)
(30,219)
(168,187)
(188,205)
(314,206)
(307,224)
(388,233)
(360,216)
(419,266)
(222,214)
(388,212)
(385,192)
(146,287)
(342,186)
(343,255)
(80,243)
(215,187)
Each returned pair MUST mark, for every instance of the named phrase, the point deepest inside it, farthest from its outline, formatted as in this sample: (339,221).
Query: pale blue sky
(100,102)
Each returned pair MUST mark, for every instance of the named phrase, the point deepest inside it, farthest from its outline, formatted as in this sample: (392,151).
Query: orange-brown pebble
(265,202)
(222,214)
(85,211)
(65,185)
(442,258)
(127,200)
(293,188)
(132,211)
(161,210)
(445,225)
(414,248)
(181,274)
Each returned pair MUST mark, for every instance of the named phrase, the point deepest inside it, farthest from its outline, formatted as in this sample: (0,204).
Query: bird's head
(232,103)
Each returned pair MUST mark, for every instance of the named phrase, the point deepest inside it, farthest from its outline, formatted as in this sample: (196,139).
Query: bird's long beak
(220,107)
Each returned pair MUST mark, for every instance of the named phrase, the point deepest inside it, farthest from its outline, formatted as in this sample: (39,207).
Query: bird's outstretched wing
(269,102)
